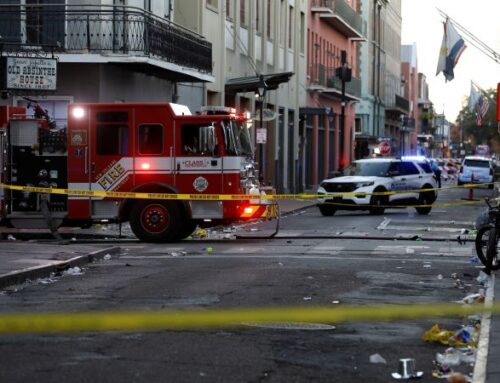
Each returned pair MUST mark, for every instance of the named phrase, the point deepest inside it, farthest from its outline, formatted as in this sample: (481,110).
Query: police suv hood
(352,179)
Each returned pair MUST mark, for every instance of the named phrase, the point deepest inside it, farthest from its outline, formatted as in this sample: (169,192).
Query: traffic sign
(385,148)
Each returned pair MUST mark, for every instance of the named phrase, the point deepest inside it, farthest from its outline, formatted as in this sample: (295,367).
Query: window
(302,32)
(243,13)
(198,139)
(112,139)
(150,139)
(228,9)
(147,5)
(290,27)
(408,168)
(269,26)
(258,20)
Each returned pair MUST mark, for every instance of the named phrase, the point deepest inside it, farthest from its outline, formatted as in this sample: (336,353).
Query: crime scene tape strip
(53,322)
(213,197)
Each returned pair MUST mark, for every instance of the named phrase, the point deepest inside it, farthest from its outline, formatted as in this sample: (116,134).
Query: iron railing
(402,103)
(120,30)
(344,11)
(324,77)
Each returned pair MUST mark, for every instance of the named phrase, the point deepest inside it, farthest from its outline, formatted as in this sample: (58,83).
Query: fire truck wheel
(153,221)
(187,229)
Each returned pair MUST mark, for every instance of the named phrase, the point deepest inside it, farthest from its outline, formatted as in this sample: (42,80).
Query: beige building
(251,38)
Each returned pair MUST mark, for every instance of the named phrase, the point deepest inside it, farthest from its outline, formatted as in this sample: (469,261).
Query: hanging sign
(31,73)
(262,136)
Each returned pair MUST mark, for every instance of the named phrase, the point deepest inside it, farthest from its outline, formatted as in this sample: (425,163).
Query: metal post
(261,93)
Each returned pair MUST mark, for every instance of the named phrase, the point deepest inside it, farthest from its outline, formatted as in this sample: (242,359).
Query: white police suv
(406,177)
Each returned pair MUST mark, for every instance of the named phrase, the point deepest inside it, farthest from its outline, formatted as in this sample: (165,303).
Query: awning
(251,83)
(318,111)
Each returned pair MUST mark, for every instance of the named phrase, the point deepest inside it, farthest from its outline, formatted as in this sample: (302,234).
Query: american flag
(482,106)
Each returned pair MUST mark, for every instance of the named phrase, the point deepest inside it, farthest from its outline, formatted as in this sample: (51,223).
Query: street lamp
(261,93)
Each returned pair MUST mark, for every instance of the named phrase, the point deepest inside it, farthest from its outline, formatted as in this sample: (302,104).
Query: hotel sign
(30,73)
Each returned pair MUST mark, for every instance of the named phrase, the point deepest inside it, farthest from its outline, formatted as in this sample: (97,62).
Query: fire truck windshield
(236,138)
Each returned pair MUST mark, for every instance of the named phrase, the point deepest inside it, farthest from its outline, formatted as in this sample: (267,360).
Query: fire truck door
(199,166)
(100,160)
(110,159)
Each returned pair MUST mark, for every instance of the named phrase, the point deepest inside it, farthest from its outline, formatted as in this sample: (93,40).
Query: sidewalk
(492,366)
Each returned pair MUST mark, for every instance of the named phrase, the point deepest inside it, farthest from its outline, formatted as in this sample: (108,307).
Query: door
(110,157)
(198,165)
(406,181)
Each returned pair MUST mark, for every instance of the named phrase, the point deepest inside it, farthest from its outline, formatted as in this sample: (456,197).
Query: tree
(486,134)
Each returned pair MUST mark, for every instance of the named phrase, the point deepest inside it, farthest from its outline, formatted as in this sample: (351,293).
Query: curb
(19,276)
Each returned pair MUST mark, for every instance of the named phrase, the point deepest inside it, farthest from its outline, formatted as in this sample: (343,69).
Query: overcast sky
(422,24)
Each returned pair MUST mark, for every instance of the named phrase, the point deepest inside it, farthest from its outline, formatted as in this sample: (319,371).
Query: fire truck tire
(155,221)
(187,229)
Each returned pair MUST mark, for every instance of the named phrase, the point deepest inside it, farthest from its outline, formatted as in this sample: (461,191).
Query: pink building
(409,77)
(327,144)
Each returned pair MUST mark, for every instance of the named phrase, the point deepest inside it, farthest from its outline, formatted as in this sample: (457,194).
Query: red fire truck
(129,147)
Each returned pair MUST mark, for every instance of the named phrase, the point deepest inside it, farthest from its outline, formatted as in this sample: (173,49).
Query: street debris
(406,370)
(377,358)
(178,253)
(440,276)
(466,336)
(10,237)
(107,257)
(73,271)
(456,356)
(307,298)
(210,250)
(473,298)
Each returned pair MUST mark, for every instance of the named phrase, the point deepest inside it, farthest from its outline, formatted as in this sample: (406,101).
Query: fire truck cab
(130,147)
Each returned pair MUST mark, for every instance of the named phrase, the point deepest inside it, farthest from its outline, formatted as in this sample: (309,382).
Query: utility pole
(345,75)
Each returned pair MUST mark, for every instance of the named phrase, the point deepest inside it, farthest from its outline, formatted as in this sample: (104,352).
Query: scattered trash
(179,253)
(200,233)
(210,250)
(409,250)
(440,276)
(307,298)
(442,371)
(472,298)
(458,377)
(107,257)
(427,265)
(377,358)
(73,239)
(461,338)
(254,229)
(474,259)
(474,320)
(483,278)
(280,264)
(406,370)
(73,271)
(10,237)
(335,302)
(451,357)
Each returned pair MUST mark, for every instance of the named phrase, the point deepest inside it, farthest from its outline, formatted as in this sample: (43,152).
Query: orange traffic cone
(471,190)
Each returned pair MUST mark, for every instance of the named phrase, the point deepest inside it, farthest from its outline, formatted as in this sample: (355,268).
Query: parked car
(379,175)
(477,170)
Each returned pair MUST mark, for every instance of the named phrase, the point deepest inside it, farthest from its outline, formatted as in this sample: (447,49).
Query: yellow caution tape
(54,322)
(214,197)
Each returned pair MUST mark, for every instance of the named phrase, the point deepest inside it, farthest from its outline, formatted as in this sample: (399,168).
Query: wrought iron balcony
(401,105)
(110,30)
(323,79)
(341,16)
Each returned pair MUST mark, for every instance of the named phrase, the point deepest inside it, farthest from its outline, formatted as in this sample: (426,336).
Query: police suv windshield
(369,169)
(236,138)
